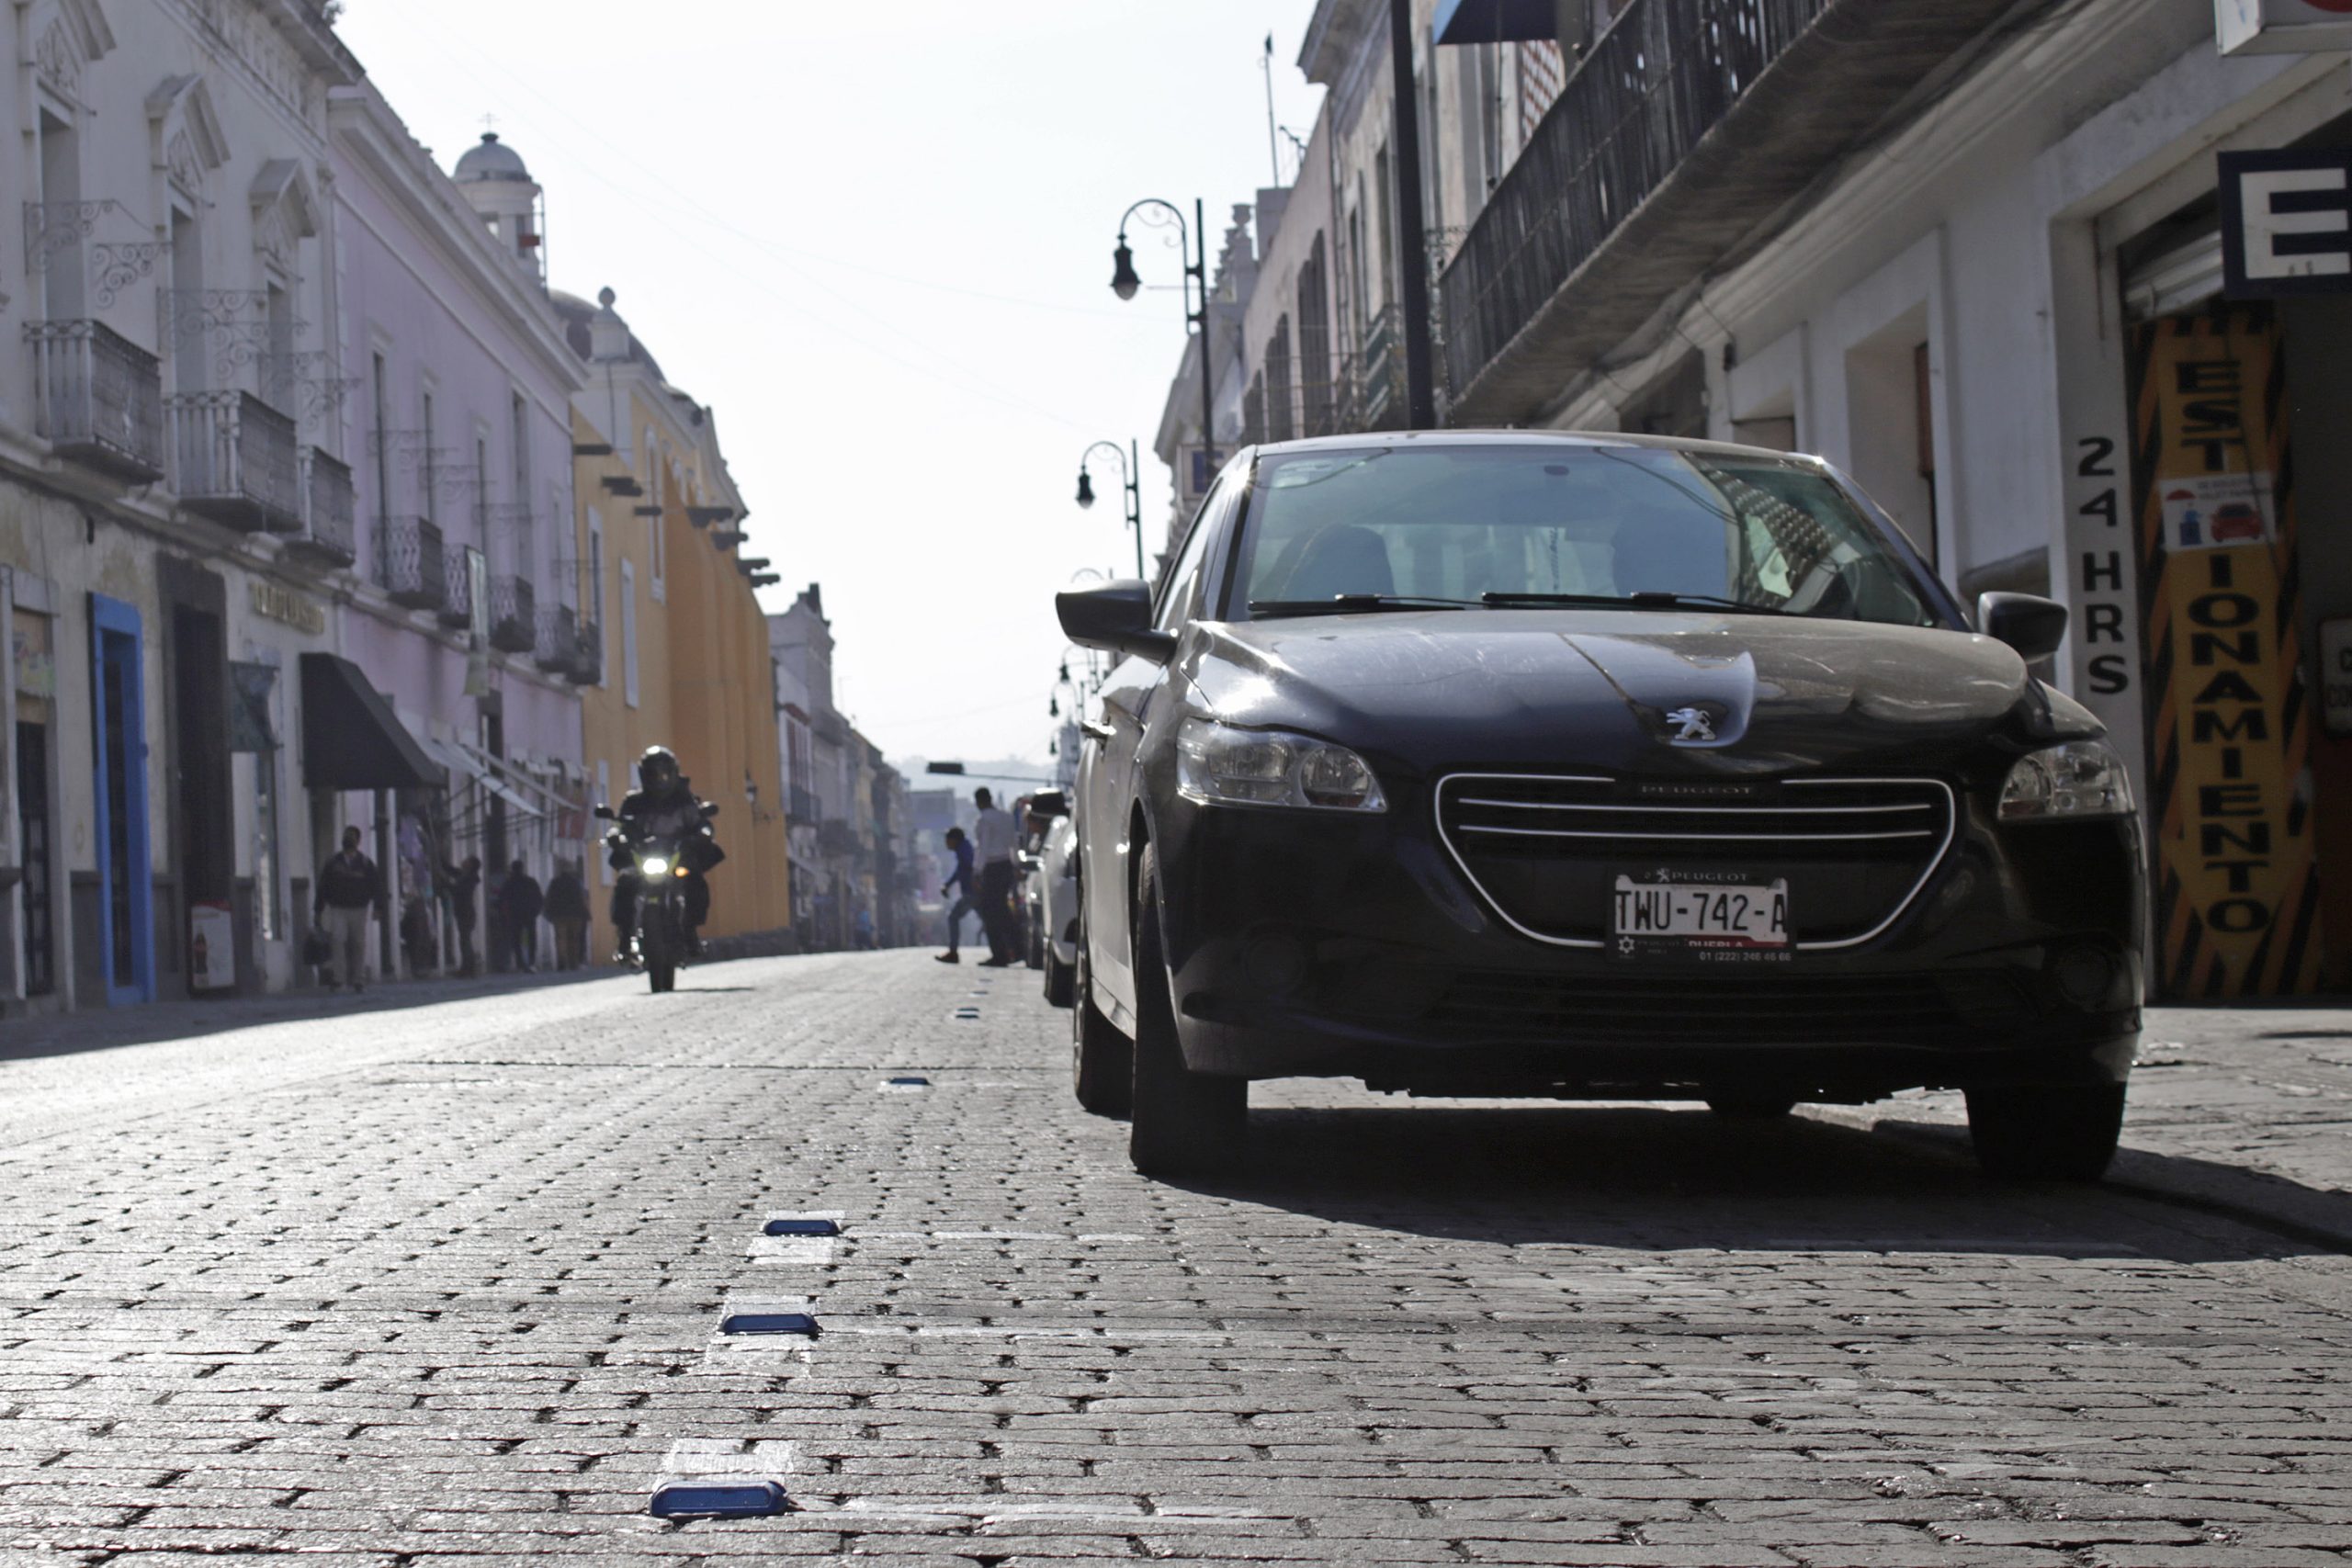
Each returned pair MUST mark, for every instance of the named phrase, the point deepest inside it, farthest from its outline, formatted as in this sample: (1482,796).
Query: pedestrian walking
(349,885)
(524,901)
(968,900)
(992,839)
(461,884)
(568,912)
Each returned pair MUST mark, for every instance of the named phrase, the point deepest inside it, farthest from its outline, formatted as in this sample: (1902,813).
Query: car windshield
(1507,525)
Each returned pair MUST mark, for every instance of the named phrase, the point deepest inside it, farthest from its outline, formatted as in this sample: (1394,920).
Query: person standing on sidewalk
(524,901)
(992,840)
(568,913)
(463,883)
(349,885)
(961,882)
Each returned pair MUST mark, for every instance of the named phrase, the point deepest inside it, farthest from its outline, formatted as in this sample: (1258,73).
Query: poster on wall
(2229,733)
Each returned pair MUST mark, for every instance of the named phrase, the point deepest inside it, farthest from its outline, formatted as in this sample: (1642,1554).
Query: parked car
(1591,767)
(1037,814)
(2236,521)
(1053,890)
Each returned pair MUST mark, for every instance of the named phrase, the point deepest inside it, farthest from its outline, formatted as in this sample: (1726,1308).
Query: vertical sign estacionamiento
(2229,730)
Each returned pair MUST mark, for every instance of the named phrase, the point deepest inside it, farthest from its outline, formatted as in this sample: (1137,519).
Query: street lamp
(1129,480)
(1124,281)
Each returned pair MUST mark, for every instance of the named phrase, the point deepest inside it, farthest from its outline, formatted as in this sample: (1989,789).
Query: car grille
(1663,1009)
(1546,851)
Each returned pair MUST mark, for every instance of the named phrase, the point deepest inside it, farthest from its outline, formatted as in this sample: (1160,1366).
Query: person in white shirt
(992,840)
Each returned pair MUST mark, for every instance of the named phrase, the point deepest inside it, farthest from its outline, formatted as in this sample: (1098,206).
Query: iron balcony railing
(587,655)
(1357,394)
(1663,75)
(457,574)
(801,804)
(408,562)
(330,530)
(98,398)
(558,638)
(514,615)
(233,460)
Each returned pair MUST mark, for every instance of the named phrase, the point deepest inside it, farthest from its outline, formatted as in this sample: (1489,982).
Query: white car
(1054,887)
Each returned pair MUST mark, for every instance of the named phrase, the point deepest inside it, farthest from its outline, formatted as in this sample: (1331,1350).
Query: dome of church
(490,159)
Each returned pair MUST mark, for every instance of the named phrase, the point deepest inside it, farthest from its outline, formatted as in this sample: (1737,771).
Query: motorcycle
(659,942)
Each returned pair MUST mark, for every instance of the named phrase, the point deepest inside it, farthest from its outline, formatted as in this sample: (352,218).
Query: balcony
(587,667)
(408,562)
(514,615)
(98,398)
(1688,127)
(329,538)
(800,805)
(458,601)
(233,461)
(558,638)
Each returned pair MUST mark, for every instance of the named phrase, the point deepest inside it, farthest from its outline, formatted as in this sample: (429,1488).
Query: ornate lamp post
(1129,480)
(1194,245)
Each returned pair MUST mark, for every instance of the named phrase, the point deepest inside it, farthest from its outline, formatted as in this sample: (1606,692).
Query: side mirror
(2026,622)
(709,811)
(606,814)
(1115,618)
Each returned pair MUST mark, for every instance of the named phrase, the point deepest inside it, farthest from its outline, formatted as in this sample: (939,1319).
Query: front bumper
(1307,944)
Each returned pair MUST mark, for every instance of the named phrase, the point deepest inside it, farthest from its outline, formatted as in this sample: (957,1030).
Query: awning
(1495,21)
(453,754)
(351,738)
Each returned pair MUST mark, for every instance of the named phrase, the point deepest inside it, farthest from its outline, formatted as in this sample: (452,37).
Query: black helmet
(657,770)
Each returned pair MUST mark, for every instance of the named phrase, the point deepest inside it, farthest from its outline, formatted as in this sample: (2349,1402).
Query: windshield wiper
(1354,604)
(1647,599)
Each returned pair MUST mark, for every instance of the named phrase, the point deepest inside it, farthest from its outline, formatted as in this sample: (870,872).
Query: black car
(1591,767)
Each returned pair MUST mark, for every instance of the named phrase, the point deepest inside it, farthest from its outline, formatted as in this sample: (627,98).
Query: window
(62,285)
(603,798)
(596,607)
(1176,602)
(431,458)
(629,631)
(379,442)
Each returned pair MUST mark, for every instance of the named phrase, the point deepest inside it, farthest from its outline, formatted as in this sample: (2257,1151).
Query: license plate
(1694,915)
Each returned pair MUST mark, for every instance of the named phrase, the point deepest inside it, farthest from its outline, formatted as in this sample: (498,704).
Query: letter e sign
(2286,223)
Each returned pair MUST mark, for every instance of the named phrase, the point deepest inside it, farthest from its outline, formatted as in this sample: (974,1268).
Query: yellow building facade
(658,532)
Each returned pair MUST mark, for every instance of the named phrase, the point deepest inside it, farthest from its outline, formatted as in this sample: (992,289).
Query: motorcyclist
(662,806)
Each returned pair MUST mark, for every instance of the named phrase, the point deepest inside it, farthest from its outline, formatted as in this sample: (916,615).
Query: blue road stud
(800,1228)
(749,1501)
(770,1323)
(911,1081)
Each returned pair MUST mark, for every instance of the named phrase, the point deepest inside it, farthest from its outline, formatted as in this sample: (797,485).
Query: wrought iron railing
(233,460)
(408,562)
(514,615)
(1663,75)
(98,397)
(329,531)
(457,602)
(558,637)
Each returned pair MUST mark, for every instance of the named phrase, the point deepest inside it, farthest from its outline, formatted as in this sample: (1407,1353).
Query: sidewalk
(2242,1109)
(28,1036)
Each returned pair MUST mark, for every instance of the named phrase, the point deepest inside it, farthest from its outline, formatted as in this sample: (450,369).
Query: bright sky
(881,251)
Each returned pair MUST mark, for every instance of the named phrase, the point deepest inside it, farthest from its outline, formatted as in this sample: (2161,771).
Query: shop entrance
(126,893)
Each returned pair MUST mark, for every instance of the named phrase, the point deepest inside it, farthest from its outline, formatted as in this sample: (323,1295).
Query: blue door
(126,884)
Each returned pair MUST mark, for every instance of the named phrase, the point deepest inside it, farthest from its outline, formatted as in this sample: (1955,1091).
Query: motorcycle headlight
(655,865)
(1217,764)
(2080,778)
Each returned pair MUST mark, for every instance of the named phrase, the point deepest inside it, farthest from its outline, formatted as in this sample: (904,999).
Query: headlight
(655,865)
(2081,778)
(1220,765)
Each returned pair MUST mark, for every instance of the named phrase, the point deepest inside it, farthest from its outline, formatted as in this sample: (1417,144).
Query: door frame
(112,618)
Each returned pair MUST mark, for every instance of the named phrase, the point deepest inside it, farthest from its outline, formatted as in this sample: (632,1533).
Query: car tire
(1750,1106)
(1061,980)
(2045,1132)
(1102,1060)
(1181,1122)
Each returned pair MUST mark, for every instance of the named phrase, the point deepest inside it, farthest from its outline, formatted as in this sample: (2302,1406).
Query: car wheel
(2045,1132)
(1102,1060)
(1181,1121)
(1060,981)
(1750,1106)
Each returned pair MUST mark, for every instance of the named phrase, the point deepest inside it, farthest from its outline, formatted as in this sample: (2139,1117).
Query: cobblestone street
(444,1284)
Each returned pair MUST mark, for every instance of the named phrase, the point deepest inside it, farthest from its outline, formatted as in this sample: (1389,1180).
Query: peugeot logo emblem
(1693,728)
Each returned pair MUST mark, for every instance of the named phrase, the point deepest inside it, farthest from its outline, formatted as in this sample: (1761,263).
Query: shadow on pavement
(1652,1178)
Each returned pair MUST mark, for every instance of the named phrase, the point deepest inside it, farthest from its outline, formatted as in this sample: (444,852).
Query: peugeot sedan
(1591,767)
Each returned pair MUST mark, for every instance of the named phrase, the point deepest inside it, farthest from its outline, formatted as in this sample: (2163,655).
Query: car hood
(1633,690)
